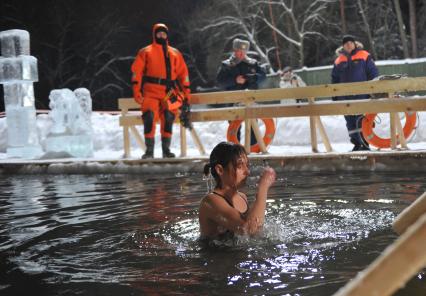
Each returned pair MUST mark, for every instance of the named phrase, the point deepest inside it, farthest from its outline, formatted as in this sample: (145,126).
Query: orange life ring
(267,138)
(375,140)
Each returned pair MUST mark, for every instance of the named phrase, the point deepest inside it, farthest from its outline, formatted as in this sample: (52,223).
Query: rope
(274,34)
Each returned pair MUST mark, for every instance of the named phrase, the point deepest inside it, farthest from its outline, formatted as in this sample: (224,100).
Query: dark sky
(86,22)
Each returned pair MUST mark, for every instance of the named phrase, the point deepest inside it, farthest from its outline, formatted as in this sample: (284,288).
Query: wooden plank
(313,128)
(128,104)
(324,90)
(313,131)
(183,144)
(301,109)
(197,142)
(258,134)
(247,136)
(138,137)
(126,141)
(410,214)
(400,132)
(338,108)
(323,134)
(393,130)
(394,267)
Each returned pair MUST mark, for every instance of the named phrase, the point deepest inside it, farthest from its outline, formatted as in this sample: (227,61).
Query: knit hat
(239,44)
(348,38)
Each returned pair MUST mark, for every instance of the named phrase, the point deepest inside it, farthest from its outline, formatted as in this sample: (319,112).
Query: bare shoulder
(211,199)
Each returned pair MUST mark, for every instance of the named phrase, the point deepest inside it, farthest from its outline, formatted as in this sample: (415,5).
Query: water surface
(137,235)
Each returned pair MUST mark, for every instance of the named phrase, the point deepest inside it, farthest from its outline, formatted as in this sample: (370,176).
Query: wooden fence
(250,108)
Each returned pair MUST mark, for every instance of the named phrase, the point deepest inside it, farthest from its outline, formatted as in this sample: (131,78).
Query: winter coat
(354,67)
(231,68)
(150,61)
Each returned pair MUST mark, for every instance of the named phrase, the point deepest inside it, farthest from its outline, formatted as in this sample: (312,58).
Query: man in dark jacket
(353,65)
(240,72)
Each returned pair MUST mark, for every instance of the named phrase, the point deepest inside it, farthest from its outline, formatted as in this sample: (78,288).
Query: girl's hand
(268,177)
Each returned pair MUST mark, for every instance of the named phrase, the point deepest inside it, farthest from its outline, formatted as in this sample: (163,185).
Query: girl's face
(237,176)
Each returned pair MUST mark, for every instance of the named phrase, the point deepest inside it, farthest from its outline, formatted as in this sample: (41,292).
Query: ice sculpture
(18,71)
(71,130)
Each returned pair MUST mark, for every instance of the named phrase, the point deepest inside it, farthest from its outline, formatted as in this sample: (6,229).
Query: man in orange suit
(160,82)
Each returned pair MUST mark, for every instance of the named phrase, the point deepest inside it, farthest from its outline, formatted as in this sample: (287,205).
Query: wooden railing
(400,261)
(248,110)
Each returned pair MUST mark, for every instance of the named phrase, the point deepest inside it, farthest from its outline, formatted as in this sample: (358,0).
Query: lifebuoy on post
(267,138)
(375,140)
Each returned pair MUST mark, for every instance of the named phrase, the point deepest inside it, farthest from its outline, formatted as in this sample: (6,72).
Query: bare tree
(401,28)
(413,27)
(72,58)
(362,8)
(305,21)
(342,16)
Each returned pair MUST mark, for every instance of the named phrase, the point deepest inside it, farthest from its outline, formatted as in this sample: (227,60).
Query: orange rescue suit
(150,83)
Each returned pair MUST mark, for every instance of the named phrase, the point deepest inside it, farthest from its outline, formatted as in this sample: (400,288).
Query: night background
(93,43)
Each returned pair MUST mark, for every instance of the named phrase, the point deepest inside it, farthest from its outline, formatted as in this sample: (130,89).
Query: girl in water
(225,210)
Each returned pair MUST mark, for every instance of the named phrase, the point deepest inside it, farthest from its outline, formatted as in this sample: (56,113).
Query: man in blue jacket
(353,65)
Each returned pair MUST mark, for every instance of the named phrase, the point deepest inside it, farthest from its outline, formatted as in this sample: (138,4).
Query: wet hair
(224,153)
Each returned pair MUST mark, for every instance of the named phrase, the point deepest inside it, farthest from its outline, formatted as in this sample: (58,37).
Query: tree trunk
(301,54)
(342,16)
(413,29)
(401,28)
(367,29)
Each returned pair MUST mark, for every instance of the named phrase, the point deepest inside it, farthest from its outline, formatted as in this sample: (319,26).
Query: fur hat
(239,44)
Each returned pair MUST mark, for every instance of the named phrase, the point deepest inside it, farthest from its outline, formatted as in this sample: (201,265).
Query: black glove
(251,79)
(185,114)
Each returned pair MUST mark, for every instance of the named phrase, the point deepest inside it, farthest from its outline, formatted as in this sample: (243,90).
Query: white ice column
(18,71)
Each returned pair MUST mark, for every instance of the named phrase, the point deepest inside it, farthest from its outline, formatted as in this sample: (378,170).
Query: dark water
(137,235)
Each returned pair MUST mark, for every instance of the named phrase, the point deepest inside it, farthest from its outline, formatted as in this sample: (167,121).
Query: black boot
(165,145)
(149,153)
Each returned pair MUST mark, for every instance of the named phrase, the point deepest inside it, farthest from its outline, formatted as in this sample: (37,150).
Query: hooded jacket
(354,67)
(151,62)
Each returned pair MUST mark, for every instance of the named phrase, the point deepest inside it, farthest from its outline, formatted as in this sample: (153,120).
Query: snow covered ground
(292,136)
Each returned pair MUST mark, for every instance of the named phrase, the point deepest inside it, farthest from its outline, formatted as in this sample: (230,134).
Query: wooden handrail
(398,263)
(249,110)
(410,214)
(315,91)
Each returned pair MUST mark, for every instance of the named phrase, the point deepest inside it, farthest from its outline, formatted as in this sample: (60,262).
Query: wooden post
(126,138)
(323,134)
(247,135)
(392,119)
(183,145)
(401,136)
(126,141)
(258,135)
(138,137)
(313,126)
(397,264)
(410,214)
(197,141)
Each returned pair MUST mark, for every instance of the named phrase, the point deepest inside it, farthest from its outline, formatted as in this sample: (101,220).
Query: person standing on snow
(159,73)
(353,64)
(288,79)
(240,72)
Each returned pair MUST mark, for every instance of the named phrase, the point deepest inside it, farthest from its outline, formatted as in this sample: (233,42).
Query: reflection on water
(124,234)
